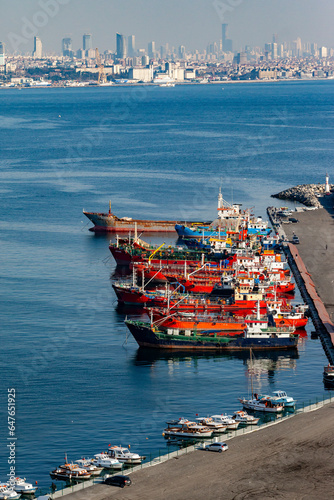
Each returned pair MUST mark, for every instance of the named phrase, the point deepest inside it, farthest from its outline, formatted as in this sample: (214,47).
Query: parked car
(293,219)
(295,239)
(220,447)
(120,481)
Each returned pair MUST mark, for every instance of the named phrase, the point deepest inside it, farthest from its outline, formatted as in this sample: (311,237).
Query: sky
(193,23)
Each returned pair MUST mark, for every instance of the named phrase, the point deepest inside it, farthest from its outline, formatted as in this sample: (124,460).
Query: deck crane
(102,75)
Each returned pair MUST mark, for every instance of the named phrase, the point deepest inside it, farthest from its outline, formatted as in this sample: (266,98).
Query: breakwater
(307,194)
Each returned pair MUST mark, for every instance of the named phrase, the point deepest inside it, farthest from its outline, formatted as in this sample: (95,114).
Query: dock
(312,265)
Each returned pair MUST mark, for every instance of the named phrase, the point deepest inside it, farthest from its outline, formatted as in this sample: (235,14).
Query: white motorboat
(124,455)
(21,486)
(282,398)
(226,420)
(86,463)
(186,429)
(217,427)
(7,493)
(244,419)
(106,462)
(265,404)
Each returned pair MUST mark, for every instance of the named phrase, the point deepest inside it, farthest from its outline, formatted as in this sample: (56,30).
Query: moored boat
(328,375)
(186,429)
(70,472)
(282,398)
(124,455)
(21,486)
(216,426)
(244,419)
(104,461)
(259,337)
(263,404)
(7,493)
(226,420)
(110,222)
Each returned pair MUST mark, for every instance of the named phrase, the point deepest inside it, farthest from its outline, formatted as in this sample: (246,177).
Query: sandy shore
(315,230)
(290,460)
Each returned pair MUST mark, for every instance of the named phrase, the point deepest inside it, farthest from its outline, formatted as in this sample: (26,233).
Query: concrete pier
(312,264)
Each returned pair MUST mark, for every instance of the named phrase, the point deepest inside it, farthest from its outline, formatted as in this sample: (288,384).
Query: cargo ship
(256,336)
(110,222)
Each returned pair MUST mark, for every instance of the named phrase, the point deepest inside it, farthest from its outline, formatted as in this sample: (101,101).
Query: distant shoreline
(127,85)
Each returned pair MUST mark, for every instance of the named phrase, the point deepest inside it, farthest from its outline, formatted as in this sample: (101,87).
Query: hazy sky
(193,23)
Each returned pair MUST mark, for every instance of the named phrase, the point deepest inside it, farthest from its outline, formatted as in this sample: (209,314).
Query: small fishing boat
(7,493)
(21,486)
(86,463)
(328,375)
(282,398)
(184,428)
(244,419)
(70,472)
(124,455)
(104,461)
(217,427)
(263,404)
(226,420)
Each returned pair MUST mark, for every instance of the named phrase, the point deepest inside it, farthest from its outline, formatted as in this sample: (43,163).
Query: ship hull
(107,222)
(146,337)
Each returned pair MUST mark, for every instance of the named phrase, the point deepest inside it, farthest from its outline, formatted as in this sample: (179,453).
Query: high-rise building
(121,46)
(2,57)
(274,50)
(87,42)
(314,49)
(37,53)
(323,52)
(67,47)
(182,52)
(151,50)
(226,42)
(131,45)
(275,38)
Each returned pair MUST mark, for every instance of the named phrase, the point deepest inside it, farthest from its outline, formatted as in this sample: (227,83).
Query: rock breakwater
(307,194)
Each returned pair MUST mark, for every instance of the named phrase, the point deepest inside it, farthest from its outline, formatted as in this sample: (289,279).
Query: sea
(80,380)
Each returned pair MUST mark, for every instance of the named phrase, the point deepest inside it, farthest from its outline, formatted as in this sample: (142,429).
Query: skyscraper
(67,47)
(2,57)
(274,50)
(182,52)
(151,50)
(275,38)
(37,53)
(131,45)
(87,43)
(120,46)
(226,42)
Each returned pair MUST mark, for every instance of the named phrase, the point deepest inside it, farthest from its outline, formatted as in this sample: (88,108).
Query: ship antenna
(109,207)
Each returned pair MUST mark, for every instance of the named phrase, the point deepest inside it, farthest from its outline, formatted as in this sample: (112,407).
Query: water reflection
(265,362)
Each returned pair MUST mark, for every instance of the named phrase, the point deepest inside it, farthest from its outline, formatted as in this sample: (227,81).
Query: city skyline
(194,28)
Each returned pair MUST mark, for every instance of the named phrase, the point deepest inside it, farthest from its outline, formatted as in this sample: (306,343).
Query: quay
(312,264)
(286,459)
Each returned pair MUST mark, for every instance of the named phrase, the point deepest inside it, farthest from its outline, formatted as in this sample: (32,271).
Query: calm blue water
(155,152)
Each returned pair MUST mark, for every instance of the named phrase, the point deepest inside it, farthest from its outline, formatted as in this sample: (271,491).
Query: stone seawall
(305,193)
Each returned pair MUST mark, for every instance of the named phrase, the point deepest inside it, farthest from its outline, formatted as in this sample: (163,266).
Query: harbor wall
(320,317)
